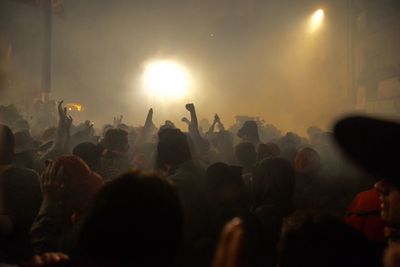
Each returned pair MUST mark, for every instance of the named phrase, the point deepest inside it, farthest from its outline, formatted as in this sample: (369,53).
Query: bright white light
(316,20)
(166,79)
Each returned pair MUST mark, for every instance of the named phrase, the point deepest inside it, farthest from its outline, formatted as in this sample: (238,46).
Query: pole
(46,67)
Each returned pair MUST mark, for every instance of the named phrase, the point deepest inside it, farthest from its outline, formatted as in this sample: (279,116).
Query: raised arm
(60,145)
(220,124)
(194,125)
(149,120)
(212,127)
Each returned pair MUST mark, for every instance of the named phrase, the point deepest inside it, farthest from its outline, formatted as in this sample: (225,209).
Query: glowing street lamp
(316,20)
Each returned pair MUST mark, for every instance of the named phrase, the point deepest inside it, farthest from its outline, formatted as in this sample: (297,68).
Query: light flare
(166,79)
(316,20)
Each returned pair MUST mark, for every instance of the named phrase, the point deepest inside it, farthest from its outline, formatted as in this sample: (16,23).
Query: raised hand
(190,107)
(217,119)
(63,128)
(193,126)
(89,127)
(117,120)
(230,249)
(185,120)
(149,119)
(63,119)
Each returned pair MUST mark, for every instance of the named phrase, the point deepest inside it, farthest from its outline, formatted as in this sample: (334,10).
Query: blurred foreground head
(172,149)
(374,144)
(311,240)
(136,220)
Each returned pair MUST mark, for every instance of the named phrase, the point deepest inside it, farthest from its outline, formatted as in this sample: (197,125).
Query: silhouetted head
(136,220)
(6,145)
(249,132)
(293,137)
(274,183)
(246,154)
(314,134)
(172,148)
(89,153)
(224,184)
(311,240)
(307,160)
(106,127)
(116,140)
(167,125)
(268,150)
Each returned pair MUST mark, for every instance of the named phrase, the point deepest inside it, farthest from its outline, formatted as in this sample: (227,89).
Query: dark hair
(310,239)
(116,140)
(7,144)
(267,150)
(136,219)
(224,181)
(89,153)
(172,148)
(246,153)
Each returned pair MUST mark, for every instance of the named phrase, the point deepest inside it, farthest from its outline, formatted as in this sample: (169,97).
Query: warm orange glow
(74,107)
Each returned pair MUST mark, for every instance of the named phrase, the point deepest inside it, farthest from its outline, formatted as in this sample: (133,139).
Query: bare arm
(194,125)
(61,141)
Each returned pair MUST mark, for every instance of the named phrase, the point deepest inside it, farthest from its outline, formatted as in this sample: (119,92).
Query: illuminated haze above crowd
(271,59)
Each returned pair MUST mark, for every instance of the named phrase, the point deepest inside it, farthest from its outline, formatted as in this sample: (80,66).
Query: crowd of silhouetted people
(240,196)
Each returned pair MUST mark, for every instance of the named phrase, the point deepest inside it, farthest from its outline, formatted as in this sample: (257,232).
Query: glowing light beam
(316,20)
